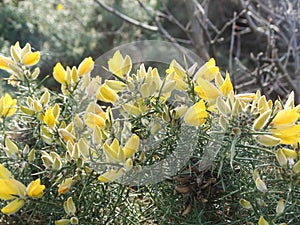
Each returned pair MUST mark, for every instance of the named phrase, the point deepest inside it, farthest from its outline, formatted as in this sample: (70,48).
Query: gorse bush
(76,157)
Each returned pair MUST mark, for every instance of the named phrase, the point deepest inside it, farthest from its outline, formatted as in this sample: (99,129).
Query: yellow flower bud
(281,158)
(65,186)
(223,107)
(86,66)
(11,147)
(59,73)
(267,140)
(262,221)
(245,204)
(280,206)
(106,94)
(62,222)
(262,120)
(260,185)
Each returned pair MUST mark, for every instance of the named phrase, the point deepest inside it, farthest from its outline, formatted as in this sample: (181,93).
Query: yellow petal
(281,158)
(126,65)
(13,206)
(35,189)
(70,206)
(107,94)
(11,188)
(196,115)
(5,173)
(4,63)
(92,120)
(262,120)
(65,186)
(131,145)
(208,71)
(31,58)
(11,146)
(49,118)
(86,66)
(114,64)
(267,140)
(111,175)
(287,134)
(226,87)
(132,109)
(296,167)
(110,153)
(286,116)
(59,73)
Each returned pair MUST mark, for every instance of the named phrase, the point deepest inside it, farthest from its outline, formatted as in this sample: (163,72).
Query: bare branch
(126,18)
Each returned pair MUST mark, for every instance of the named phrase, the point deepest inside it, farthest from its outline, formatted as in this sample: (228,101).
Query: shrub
(68,157)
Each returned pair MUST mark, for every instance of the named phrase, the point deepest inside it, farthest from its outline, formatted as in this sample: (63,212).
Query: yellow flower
(59,7)
(35,189)
(92,120)
(31,58)
(7,106)
(226,87)
(62,222)
(106,94)
(59,73)
(131,146)
(120,66)
(86,66)
(5,62)
(284,117)
(196,115)
(65,186)
(49,118)
(208,71)
(11,188)
(13,207)
(177,74)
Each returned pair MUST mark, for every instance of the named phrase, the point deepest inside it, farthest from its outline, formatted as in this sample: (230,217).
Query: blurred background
(257,41)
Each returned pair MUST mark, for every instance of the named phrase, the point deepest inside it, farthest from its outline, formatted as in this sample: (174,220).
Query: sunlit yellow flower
(11,188)
(49,118)
(13,207)
(86,66)
(35,189)
(92,120)
(7,106)
(208,71)
(120,66)
(176,73)
(31,58)
(196,115)
(106,94)
(59,7)
(65,186)
(5,62)
(59,73)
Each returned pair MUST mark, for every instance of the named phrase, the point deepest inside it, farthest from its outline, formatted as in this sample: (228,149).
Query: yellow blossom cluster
(77,136)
